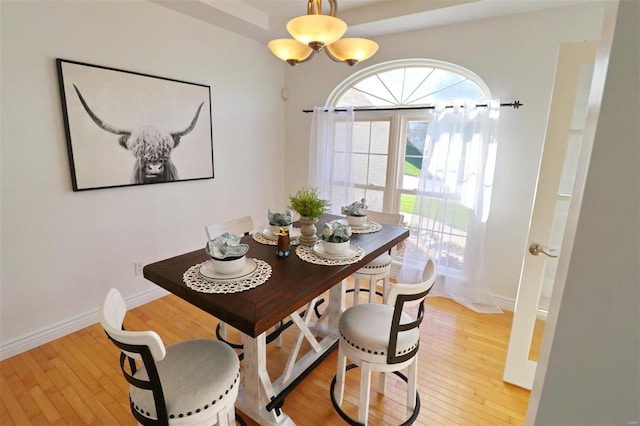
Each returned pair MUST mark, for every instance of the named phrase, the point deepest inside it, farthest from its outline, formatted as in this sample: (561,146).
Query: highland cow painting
(125,128)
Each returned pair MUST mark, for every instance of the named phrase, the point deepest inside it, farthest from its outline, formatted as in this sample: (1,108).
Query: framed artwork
(126,128)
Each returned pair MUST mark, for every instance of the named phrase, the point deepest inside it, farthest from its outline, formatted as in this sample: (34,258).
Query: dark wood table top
(292,285)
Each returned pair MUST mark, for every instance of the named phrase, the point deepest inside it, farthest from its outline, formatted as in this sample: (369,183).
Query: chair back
(391,219)
(402,296)
(145,346)
(240,226)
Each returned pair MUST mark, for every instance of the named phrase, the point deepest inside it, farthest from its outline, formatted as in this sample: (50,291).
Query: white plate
(366,225)
(206,270)
(349,253)
(266,233)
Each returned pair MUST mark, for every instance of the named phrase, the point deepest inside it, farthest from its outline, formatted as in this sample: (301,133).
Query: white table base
(257,390)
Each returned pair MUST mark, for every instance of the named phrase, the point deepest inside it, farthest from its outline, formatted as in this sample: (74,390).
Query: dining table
(281,288)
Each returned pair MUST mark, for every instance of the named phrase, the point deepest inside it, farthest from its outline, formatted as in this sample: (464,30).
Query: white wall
(61,250)
(589,369)
(516,57)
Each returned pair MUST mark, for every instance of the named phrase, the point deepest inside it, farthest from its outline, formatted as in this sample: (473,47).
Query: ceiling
(264,20)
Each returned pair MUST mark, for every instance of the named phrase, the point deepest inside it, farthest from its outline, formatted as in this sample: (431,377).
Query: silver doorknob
(537,249)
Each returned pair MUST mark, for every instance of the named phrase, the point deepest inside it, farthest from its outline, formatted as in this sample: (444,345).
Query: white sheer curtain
(452,203)
(330,152)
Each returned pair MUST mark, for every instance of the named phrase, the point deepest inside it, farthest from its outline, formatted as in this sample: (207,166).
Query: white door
(558,167)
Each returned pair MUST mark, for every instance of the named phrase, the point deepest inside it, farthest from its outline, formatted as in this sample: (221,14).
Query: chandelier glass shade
(314,32)
(289,49)
(321,29)
(352,50)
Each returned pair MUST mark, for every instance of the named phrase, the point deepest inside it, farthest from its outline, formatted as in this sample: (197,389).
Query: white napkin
(226,245)
(355,209)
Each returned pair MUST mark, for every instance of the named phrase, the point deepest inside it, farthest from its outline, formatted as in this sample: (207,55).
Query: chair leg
(340,377)
(223,418)
(279,338)
(231,415)
(356,291)
(382,381)
(412,378)
(365,386)
(385,289)
(372,288)
(223,330)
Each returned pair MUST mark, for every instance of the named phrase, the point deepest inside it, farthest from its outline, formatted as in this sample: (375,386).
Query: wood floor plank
(76,380)
(44,403)
(14,413)
(79,404)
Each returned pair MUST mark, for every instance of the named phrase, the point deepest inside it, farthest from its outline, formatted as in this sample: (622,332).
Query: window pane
(394,81)
(380,137)
(360,168)
(378,170)
(437,80)
(570,166)
(464,90)
(375,199)
(413,79)
(361,134)
(373,87)
(582,98)
(357,98)
(415,137)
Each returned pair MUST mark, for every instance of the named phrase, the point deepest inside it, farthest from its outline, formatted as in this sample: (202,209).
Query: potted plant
(310,207)
(336,238)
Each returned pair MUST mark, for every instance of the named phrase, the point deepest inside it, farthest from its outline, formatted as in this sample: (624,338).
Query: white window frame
(398,119)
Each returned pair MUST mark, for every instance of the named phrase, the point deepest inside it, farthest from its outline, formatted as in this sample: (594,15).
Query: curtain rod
(514,104)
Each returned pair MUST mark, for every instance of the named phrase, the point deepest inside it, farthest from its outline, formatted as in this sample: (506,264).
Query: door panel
(558,167)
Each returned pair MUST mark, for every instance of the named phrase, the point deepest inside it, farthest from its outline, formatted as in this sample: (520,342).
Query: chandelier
(314,32)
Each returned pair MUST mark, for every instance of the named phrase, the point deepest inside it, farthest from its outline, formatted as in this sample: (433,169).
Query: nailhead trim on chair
(375,352)
(190,413)
(376,266)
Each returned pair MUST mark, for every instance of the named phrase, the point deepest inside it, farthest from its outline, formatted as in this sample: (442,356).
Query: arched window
(409,83)
(389,136)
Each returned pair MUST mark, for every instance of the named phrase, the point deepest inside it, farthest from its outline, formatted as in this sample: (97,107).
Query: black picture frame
(125,128)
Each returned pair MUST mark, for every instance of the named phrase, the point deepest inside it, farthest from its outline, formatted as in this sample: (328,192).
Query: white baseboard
(510,305)
(55,331)
(504,303)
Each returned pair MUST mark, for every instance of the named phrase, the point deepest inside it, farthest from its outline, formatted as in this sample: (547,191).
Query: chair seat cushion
(377,265)
(367,326)
(195,375)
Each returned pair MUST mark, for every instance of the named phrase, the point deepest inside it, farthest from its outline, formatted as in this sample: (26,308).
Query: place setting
(278,224)
(229,270)
(334,247)
(356,217)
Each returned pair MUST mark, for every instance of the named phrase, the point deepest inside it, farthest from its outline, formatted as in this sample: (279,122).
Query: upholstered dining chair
(383,338)
(240,226)
(378,269)
(194,382)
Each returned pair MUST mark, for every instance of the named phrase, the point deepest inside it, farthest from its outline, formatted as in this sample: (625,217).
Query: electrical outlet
(137,267)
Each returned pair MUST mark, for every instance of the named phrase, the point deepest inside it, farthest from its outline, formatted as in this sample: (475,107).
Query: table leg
(257,389)
(336,307)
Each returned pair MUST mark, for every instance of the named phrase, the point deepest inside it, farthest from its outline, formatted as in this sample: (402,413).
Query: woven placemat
(258,237)
(307,254)
(373,227)
(195,281)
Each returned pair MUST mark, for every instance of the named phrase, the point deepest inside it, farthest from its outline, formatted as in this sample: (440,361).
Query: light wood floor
(75,380)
